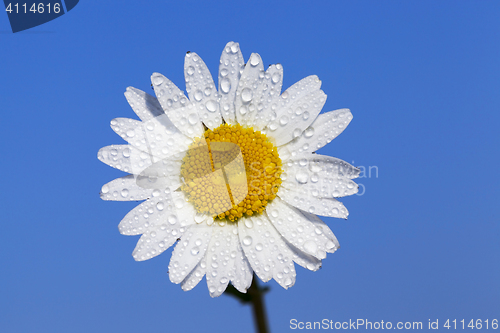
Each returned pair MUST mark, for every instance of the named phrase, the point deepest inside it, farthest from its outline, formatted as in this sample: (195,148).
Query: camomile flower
(229,173)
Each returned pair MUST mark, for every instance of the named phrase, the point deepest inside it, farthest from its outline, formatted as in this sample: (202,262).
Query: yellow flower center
(231,172)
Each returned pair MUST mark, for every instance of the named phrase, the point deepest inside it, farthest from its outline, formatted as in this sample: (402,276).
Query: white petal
(323,130)
(305,200)
(165,173)
(124,189)
(267,252)
(177,107)
(201,90)
(329,165)
(305,260)
(305,176)
(243,272)
(249,84)
(195,276)
(163,139)
(321,226)
(157,136)
(144,105)
(130,130)
(165,208)
(125,158)
(221,256)
(231,63)
(189,251)
(298,115)
(267,97)
(297,229)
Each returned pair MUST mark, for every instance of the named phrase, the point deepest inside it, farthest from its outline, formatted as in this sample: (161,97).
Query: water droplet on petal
(198,95)
(310,247)
(296,133)
(283,120)
(254,60)
(259,247)
(157,80)
(235,47)
(190,70)
(302,177)
(193,118)
(246,95)
(195,250)
(225,85)
(247,240)
(124,193)
(160,206)
(172,219)
(105,189)
(211,106)
(309,132)
(276,77)
(248,223)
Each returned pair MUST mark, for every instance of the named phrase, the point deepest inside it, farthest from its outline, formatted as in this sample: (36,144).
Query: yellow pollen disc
(231,172)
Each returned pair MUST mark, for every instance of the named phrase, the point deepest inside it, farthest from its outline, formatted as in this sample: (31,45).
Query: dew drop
(198,218)
(224,72)
(296,133)
(211,106)
(225,85)
(130,133)
(310,247)
(193,118)
(276,77)
(259,247)
(235,47)
(302,177)
(160,206)
(283,120)
(246,95)
(124,193)
(190,70)
(247,240)
(254,60)
(330,245)
(172,219)
(157,80)
(274,213)
(309,132)
(198,95)
(195,250)
(248,223)
(105,189)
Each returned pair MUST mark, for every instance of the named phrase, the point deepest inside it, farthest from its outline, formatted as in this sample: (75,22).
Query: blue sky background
(422,79)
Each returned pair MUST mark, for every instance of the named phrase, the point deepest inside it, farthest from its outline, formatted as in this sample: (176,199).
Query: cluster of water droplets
(299,231)
(201,90)
(267,252)
(296,109)
(322,131)
(161,220)
(124,189)
(230,67)
(189,251)
(182,112)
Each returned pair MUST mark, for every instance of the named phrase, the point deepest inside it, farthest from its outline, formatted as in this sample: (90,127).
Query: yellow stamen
(231,172)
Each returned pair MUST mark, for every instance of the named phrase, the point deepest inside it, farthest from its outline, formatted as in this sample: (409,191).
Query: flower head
(230,174)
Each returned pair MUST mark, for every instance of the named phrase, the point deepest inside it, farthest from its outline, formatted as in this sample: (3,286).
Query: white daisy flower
(230,174)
